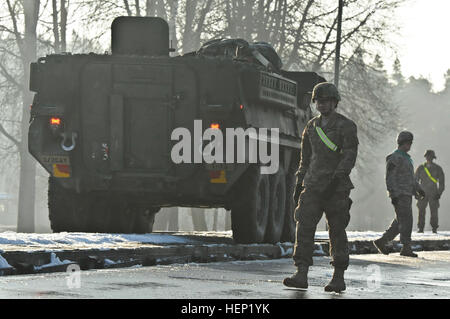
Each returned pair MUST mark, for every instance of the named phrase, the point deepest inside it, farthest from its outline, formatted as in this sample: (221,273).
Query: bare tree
(59,25)
(24,52)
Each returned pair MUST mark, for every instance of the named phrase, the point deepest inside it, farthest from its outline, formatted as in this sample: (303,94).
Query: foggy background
(376,95)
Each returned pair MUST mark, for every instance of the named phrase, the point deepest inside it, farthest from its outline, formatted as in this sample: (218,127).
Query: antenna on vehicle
(171,49)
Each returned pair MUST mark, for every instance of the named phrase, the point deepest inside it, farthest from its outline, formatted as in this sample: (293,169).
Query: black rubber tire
(250,207)
(277,207)
(99,219)
(68,210)
(122,218)
(144,220)
(288,234)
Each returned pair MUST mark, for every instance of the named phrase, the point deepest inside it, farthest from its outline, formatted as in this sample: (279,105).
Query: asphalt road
(369,276)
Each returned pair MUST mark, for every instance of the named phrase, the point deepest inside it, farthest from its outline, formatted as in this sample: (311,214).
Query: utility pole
(338,44)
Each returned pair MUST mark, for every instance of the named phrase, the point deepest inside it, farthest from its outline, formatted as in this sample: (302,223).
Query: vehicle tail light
(55,121)
(56,125)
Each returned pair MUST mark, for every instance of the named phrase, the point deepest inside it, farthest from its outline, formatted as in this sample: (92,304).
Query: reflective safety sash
(326,140)
(429,174)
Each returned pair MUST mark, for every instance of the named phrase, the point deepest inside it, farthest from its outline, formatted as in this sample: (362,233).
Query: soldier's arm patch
(349,149)
(305,155)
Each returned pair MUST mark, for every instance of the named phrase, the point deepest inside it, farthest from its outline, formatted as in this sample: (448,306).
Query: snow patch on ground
(11,240)
(97,240)
(109,262)
(371,235)
(4,263)
(54,261)
(285,252)
(319,250)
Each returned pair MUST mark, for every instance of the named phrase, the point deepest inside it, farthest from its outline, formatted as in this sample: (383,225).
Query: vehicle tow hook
(66,138)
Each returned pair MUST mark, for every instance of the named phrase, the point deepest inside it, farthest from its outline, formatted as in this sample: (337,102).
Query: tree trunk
(172,23)
(150,9)
(25,218)
(55,27)
(63,25)
(138,7)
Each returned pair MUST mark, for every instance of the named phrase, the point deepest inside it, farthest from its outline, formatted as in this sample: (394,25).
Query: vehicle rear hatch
(129,111)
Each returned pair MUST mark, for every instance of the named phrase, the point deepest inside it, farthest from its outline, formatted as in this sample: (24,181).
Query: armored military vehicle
(103,126)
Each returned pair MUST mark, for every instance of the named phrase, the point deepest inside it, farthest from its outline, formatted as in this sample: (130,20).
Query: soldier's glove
(394,200)
(421,193)
(437,197)
(298,191)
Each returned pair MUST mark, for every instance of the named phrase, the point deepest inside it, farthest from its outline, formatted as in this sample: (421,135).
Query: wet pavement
(369,276)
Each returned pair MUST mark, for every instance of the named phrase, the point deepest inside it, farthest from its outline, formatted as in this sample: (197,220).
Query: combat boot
(299,279)
(420,230)
(380,244)
(434,231)
(407,251)
(337,283)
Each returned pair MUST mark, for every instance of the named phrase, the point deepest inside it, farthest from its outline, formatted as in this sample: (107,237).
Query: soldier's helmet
(430,153)
(325,90)
(404,136)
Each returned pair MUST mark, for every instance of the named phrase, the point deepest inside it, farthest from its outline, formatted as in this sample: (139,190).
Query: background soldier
(429,175)
(328,154)
(401,185)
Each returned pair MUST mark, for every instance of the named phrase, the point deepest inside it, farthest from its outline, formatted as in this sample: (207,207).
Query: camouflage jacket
(400,178)
(318,163)
(429,186)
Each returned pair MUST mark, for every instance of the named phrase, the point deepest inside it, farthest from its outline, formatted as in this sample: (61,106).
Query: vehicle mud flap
(68,210)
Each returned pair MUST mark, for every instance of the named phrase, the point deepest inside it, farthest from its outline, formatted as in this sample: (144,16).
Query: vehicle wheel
(288,234)
(67,209)
(250,208)
(100,214)
(123,217)
(277,207)
(144,220)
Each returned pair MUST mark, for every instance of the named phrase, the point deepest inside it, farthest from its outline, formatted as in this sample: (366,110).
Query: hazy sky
(424,41)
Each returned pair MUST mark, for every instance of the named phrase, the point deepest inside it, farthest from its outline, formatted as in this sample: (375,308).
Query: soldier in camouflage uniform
(328,154)
(401,185)
(429,175)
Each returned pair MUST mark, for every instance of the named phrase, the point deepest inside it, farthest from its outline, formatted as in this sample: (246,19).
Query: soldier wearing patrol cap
(328,154)
(401,185)
(430,175)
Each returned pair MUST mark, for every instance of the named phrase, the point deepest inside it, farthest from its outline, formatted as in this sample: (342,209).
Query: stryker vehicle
(102,126)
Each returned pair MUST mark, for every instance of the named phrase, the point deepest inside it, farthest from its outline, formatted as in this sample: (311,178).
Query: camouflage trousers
(422,205)
(308,213)
(402,223)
